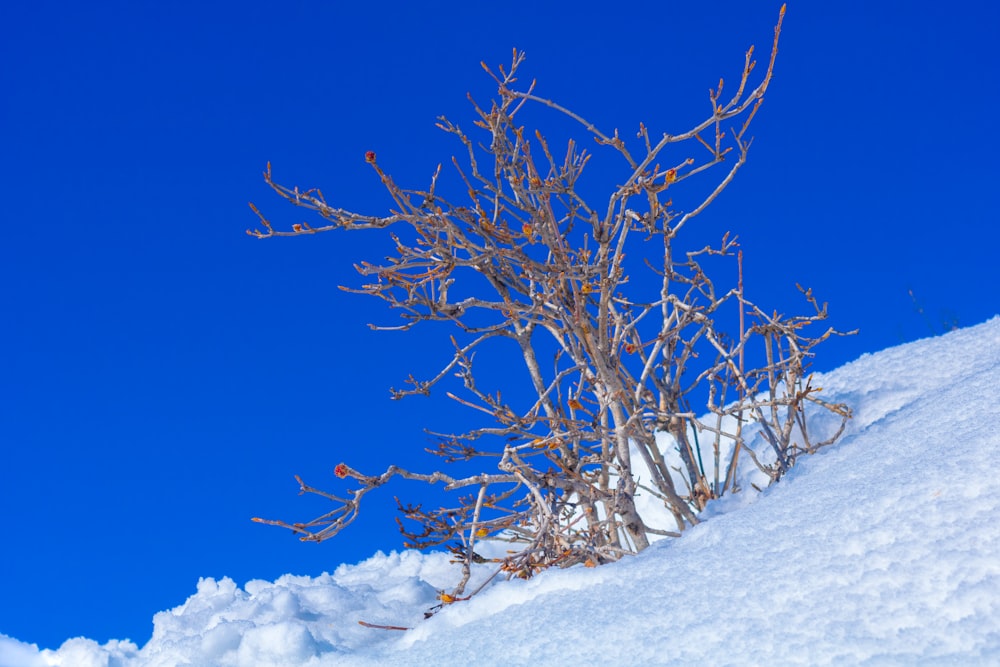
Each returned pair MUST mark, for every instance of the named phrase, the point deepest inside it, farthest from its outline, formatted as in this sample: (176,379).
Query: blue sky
(163,376)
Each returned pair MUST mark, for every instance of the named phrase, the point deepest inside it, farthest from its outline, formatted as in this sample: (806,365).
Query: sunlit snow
(883,549)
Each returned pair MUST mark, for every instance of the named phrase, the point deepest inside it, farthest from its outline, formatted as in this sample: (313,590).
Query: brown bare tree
(611,367)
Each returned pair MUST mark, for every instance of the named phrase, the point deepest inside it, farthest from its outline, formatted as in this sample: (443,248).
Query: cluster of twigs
(611,367)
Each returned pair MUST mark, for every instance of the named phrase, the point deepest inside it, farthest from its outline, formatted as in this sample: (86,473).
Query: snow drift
(883,549)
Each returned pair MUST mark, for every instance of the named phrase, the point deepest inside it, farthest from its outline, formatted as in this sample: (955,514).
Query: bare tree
(611,365)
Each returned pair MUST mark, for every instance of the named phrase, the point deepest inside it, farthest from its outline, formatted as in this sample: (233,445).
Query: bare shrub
(611,364)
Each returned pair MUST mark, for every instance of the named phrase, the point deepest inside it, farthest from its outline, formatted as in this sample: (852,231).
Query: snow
(884,549)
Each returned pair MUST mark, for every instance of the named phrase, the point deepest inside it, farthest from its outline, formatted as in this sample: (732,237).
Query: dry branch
(561,277)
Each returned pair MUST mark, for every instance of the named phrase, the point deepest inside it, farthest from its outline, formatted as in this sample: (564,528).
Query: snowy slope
(884,549)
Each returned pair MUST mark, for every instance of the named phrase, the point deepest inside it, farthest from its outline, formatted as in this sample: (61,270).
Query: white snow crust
(883,549)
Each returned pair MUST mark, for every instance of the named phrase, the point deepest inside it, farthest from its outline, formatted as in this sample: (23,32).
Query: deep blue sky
(163,376)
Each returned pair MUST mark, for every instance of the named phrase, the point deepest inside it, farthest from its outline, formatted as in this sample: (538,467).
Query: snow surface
(881,550)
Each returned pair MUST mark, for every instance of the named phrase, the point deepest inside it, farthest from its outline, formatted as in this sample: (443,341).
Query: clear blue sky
(163,376)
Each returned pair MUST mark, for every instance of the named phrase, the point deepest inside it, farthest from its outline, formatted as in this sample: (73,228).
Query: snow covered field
(882,550)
